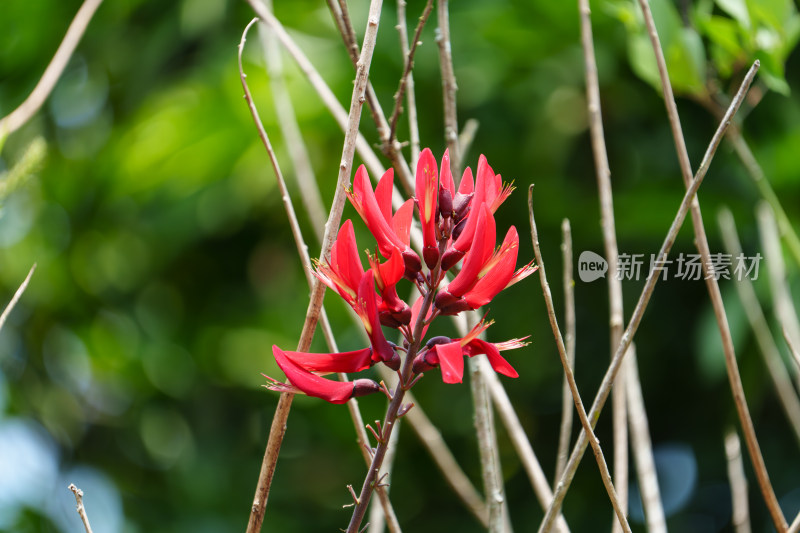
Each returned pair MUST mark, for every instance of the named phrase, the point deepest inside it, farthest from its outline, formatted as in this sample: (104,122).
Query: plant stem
(701,241)
(638,312)
(17,295)
(619,408)
(733,452)
(565,432)
(449,88)
(411,100)
(80,508)
(576,397)
(278,427)
(25,111)
(758,322)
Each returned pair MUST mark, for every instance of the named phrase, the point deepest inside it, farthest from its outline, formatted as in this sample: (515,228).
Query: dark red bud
(451,257)
(459,228)
(440,339)
(387,319)
(461,204)
(431,255)
(424,362)
(449,304)
(362,387)
(412,262)
(445,202)
(444,298)
(393,362)
(403,316)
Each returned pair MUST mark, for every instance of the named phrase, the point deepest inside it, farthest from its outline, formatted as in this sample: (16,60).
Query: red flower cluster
(456,224)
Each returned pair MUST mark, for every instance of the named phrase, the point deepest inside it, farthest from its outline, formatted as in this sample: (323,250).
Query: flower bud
(412,263)
(451,257)
(440,339)
(362,387)
(387,319)
(424,362)
(461,205)
(445,202)
(459,228)
(431,256)
(449,304)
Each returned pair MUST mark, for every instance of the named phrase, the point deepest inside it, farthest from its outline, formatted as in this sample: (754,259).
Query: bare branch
(738,481)
(449,87)
(411,99)
(22,114)
(644,298)
(766,343)
(562,352)
(16,297)
(569,341)
(81,509)
(715,295)
(278,427)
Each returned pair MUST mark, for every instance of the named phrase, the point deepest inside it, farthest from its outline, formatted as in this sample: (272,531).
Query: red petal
(446,175)
(383,194)
(467,186)
(355,361)
(381,349)
(500,365)
(344,256)
(426,191)
(312,384)
(479,253)
(499,274)
(451,361)
(401,222)
(415,309)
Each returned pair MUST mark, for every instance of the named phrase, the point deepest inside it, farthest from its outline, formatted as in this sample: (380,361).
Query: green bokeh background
(166,268)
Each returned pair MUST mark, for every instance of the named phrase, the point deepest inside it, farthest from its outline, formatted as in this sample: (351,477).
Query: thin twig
(278,427)
(519,440)
(449,87)
(487,443)
(16,297)
(325,93)
(409,64)
(377,514)
(390,149)
(755,315)
(776,268)
(302,248)
(739,500)
(643,449)
(80,508)
(616,320)
(287,121)
(644,298)
(562,352)
(792,348)
(795,527)
(432,439)
(565,433)
(22,114)
(467,135)
(701,241)
(411,99)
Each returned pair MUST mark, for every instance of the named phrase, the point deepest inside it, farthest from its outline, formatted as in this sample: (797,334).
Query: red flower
(449,354)
(485,271)
(344,271)
(367,310)
(305,382)
(393,311)
(375,208)
(427,184)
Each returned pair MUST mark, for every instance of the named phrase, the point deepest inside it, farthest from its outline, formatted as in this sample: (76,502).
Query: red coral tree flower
(456,223)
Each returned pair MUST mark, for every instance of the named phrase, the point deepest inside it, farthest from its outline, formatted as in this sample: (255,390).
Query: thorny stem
(392,413)
(409,64)
(701,241)
(644,298)
(22,114)
(411,101)
(562,352)
(619,407)
(278,428)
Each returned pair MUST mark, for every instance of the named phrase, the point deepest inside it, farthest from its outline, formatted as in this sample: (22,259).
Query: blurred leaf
(738,9)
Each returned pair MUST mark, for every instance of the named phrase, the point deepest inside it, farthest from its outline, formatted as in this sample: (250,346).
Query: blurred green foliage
(166,269)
